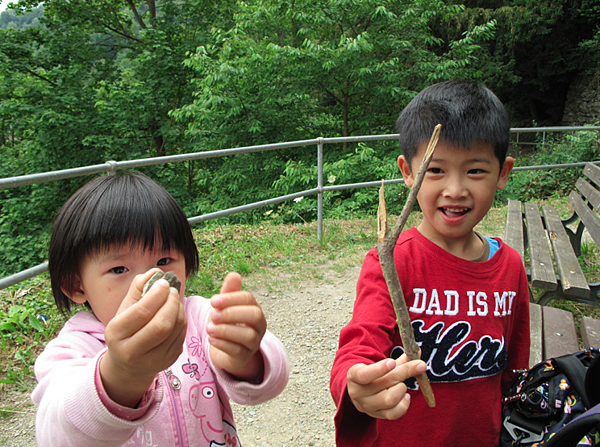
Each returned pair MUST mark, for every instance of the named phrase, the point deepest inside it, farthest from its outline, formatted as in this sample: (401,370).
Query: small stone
(170,277)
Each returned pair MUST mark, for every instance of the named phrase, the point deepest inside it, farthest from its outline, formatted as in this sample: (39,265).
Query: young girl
(151,370)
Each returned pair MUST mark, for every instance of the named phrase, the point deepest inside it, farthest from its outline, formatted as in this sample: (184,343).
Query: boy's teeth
(455,211)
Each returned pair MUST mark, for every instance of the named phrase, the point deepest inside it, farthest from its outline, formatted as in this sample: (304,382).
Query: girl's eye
(164,261)
(119,270)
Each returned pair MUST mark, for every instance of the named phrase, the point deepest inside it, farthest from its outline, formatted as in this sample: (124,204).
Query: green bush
(363,164)
(577,147)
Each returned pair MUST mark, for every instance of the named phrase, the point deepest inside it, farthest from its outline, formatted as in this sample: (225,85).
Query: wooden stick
(385,249)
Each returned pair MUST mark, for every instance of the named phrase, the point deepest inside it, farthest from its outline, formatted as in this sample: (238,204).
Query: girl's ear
(77,294)
(406,172)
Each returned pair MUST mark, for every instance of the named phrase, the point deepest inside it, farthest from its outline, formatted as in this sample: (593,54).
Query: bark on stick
(385,249)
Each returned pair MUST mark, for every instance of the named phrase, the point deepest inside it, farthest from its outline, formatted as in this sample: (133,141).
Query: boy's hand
(145,337)
(379,390)
(235,329)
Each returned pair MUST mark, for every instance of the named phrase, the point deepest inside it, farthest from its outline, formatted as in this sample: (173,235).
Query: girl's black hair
(468,112)
(116,209)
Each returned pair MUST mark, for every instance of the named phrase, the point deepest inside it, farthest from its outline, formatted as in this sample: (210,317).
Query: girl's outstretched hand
(235,329)
(145,337)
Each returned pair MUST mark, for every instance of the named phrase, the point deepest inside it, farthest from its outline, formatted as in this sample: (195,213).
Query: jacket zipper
(173,385)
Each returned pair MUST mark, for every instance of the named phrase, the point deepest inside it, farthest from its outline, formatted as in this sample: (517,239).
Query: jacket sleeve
(276,372)
(275,377)
(70,411)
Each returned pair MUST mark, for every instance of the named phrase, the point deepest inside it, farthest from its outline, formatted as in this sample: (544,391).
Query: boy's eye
(435,170)
(119,270)
(164,261)
(476,171)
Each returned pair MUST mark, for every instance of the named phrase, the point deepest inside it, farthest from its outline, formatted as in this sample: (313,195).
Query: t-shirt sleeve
(366,339)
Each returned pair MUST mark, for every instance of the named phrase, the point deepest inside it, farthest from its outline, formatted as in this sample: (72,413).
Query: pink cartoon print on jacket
(214,426)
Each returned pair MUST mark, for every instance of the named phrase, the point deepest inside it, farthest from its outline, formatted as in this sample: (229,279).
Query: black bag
(555,404)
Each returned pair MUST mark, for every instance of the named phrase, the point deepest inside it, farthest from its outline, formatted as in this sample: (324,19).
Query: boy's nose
(455,188)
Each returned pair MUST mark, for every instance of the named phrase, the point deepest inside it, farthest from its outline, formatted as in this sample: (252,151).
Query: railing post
(320,188)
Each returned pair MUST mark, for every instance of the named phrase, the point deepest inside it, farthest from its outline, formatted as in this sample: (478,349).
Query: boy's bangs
(469,113)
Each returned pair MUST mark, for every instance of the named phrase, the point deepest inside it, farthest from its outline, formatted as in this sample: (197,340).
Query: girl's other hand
(235,329)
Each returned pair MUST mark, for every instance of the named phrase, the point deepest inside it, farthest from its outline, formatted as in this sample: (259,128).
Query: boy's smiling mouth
(455,212)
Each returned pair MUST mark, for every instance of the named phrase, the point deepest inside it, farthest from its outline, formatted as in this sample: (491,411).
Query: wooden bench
(553,249)
(553,333)
(559,266)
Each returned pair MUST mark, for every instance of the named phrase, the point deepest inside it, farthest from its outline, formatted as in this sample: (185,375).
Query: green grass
(28,320)
(248,249)
(254,248)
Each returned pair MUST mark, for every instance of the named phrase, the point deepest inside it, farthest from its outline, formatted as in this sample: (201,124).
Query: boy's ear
(406,172)
(77,294)
(509,163)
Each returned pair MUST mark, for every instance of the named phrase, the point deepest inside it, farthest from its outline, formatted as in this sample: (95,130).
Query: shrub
(577,147)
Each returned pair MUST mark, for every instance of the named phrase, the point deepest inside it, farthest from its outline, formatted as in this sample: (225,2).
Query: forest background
(84,82)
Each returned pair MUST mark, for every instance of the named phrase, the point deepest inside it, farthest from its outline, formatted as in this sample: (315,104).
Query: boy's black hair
(468,112)
(117,209)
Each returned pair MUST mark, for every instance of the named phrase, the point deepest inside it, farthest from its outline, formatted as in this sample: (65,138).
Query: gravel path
(306,311)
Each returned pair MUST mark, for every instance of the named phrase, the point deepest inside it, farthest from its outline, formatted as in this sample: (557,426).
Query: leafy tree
(94,82)
(539,48)
(295,70)
(345,64)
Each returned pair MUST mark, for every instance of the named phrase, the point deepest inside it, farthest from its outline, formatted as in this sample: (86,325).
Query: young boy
(467,294)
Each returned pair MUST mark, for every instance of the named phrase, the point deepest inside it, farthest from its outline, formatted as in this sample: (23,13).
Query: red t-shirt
(471,320)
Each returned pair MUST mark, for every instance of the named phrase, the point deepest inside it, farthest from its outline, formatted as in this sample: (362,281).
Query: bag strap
(572,367)
(572,433)
(592,381)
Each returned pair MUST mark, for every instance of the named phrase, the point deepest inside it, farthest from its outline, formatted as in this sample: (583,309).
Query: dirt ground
(305,310)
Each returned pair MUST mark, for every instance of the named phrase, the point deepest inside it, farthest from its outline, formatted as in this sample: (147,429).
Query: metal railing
(110,167)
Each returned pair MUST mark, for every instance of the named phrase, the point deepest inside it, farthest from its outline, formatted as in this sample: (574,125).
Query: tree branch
(385,249)
(137,16)
(152,8)
(120,33)
(43,78)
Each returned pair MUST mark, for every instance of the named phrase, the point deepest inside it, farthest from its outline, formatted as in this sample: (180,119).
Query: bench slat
(560,335)
(572,279)
(592,171)
(540,259)
(587,216)
(513,235)
(535,333)
(590,332)
(589,192)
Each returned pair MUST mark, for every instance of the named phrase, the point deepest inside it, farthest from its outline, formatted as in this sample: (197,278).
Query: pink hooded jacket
(188,405)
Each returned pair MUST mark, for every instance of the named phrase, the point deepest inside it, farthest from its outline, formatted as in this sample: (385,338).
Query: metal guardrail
(110,167)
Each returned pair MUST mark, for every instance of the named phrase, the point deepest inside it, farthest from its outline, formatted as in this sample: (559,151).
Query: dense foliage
(83,82)
(538,49)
